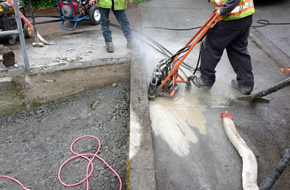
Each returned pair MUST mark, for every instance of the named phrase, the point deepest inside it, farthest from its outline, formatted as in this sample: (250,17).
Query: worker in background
(119,9)
(230,33)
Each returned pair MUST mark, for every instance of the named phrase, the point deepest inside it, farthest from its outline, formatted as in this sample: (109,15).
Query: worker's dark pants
(232,36)
(121,17)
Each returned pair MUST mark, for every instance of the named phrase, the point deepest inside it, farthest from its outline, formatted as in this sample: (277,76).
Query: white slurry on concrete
(173,119)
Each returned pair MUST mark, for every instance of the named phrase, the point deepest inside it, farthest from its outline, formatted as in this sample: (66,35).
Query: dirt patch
(35,142)
(46,11)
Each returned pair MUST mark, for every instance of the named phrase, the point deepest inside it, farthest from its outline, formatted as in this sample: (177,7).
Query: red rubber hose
(90,165)
(5,176)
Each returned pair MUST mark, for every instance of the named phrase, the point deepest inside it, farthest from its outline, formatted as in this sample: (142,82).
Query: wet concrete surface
(191,149)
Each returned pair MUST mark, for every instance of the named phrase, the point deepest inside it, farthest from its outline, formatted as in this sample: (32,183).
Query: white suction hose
(250,168)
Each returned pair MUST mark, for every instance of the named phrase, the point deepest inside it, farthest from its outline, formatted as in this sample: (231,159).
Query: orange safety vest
(245,8)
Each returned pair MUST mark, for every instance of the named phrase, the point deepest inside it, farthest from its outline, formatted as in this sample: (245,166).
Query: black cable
(161,49)
(53,16)
(174,29)
(264,22)
(164,49)
(198,61)
(45,22)
(49,21)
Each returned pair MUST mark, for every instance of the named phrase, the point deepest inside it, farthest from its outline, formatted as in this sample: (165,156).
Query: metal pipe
(9,33)
(21,35)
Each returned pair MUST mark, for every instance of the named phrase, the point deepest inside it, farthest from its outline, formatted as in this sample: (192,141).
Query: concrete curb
(141,160)
(20,91)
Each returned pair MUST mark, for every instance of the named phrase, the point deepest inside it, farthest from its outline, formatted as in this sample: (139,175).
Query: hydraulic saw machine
(165,75)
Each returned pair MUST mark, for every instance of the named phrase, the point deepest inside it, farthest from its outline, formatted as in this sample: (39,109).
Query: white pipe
(250,168)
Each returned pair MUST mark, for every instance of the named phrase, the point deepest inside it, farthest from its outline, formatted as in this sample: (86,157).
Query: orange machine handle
(212,20)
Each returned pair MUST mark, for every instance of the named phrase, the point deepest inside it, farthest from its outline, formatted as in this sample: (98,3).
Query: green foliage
(41,3)
(53,3)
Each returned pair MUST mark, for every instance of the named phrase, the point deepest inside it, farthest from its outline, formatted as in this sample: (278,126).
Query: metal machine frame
(165,75)
(75,18)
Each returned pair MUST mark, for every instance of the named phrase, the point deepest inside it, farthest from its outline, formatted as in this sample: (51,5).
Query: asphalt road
(277,14)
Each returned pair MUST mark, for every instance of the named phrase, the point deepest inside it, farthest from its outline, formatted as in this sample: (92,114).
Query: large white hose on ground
(250,168)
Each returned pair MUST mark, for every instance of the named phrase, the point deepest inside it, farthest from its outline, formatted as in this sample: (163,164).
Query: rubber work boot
(243,89)
(110,47)
(198,82)
(132,45)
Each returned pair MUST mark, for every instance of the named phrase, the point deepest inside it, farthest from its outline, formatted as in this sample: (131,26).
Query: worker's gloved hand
(92,2)
(218,12)
(130,2)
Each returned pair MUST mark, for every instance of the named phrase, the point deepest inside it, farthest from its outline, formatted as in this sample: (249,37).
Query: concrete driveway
(191,149)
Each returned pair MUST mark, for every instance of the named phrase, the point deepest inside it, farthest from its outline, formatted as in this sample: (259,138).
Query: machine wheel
(12,41)
(27,31)
(95,15)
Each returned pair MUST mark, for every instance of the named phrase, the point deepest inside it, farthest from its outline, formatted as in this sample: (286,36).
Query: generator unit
(77,10)
(8,22)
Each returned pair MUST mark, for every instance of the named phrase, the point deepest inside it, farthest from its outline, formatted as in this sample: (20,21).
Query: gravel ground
(35,142)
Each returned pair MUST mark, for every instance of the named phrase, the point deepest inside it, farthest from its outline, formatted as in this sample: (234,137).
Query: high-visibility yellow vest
(118,4)
(245,8)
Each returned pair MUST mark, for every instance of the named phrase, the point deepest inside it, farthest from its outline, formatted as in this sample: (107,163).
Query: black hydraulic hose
(276,173)
(45,22)
(53,16)
(174,29)
(161,49)
(49,21)
(198,61)
(168,56)
(154,42)
(164,49)
(264,22)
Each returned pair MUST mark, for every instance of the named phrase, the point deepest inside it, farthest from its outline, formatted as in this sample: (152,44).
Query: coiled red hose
(8,177)
(90,165)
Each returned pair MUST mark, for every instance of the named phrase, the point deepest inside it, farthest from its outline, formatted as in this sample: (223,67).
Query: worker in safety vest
(230,33)
(119,9)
